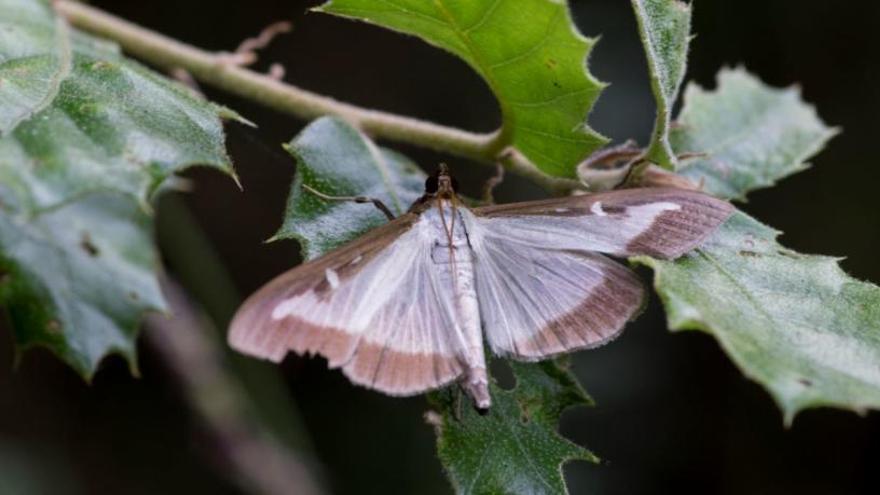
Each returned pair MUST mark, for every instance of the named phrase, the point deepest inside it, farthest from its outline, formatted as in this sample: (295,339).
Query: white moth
(406,307)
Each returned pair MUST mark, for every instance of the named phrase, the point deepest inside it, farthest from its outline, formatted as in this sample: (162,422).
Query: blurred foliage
(86,136)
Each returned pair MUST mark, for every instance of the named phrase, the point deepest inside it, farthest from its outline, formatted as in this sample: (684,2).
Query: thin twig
(259,462)
(265,37)
(215,69)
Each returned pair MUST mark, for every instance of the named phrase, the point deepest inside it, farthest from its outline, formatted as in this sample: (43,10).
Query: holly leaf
(76,117)
(86,136)
(515,447)
(664,28)
(530,54)
(336,159)
(751,135)
(77,279)
(796,324)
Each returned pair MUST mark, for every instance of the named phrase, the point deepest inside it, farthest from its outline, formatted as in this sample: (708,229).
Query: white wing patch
(332,278)
(601,231)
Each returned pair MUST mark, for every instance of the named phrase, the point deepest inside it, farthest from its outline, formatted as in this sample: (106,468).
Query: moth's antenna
(357,199)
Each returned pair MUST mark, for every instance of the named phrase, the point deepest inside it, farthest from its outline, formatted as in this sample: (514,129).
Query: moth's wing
(660,222)
(366,308)
(542,289)
(539,301)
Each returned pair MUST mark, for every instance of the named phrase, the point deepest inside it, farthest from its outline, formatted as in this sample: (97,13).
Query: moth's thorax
(445,226)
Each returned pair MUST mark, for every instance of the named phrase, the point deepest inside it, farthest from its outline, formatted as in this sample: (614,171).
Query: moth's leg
(357,199)
(492,183)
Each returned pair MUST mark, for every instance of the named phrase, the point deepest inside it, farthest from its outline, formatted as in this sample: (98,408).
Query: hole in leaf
(787,254)
(503,374)
(805,382)
(748,253)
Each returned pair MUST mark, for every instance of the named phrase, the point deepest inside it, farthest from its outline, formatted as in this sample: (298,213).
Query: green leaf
(76,117)
(664,27)
(752,135)
(86,136)
(529,53)
(77,279)
(336,159)
(794,323)
(515,448)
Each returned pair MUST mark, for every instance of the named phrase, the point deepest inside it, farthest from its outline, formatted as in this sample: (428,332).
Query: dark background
(672,412)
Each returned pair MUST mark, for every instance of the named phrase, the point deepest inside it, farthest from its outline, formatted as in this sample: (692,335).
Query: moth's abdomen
(453,263)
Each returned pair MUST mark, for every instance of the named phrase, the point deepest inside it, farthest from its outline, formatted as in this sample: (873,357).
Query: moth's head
(441,183)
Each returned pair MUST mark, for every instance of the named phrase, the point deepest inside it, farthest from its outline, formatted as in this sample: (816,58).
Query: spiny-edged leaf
(530,54)
(78,279)
(85,136)
(752,135)
(76,117)
(664,27)
(336,159)
(515,448)
(794,323)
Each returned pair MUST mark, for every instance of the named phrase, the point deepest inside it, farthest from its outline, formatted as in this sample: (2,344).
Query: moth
(406,307)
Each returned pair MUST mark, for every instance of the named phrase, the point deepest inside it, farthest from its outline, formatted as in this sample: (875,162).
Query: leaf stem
(216,69)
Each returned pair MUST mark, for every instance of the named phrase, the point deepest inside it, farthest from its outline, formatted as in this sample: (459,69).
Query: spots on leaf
(101,64)
(88,246)
(53,327)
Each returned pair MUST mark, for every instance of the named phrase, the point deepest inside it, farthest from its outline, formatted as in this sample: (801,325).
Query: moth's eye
(431,184)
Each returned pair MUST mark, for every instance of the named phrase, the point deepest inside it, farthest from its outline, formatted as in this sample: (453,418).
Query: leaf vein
(532,49)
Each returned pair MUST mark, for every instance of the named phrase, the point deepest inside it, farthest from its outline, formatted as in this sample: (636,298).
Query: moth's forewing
(255,331)
(338,306)
(543,291)
(659,222)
